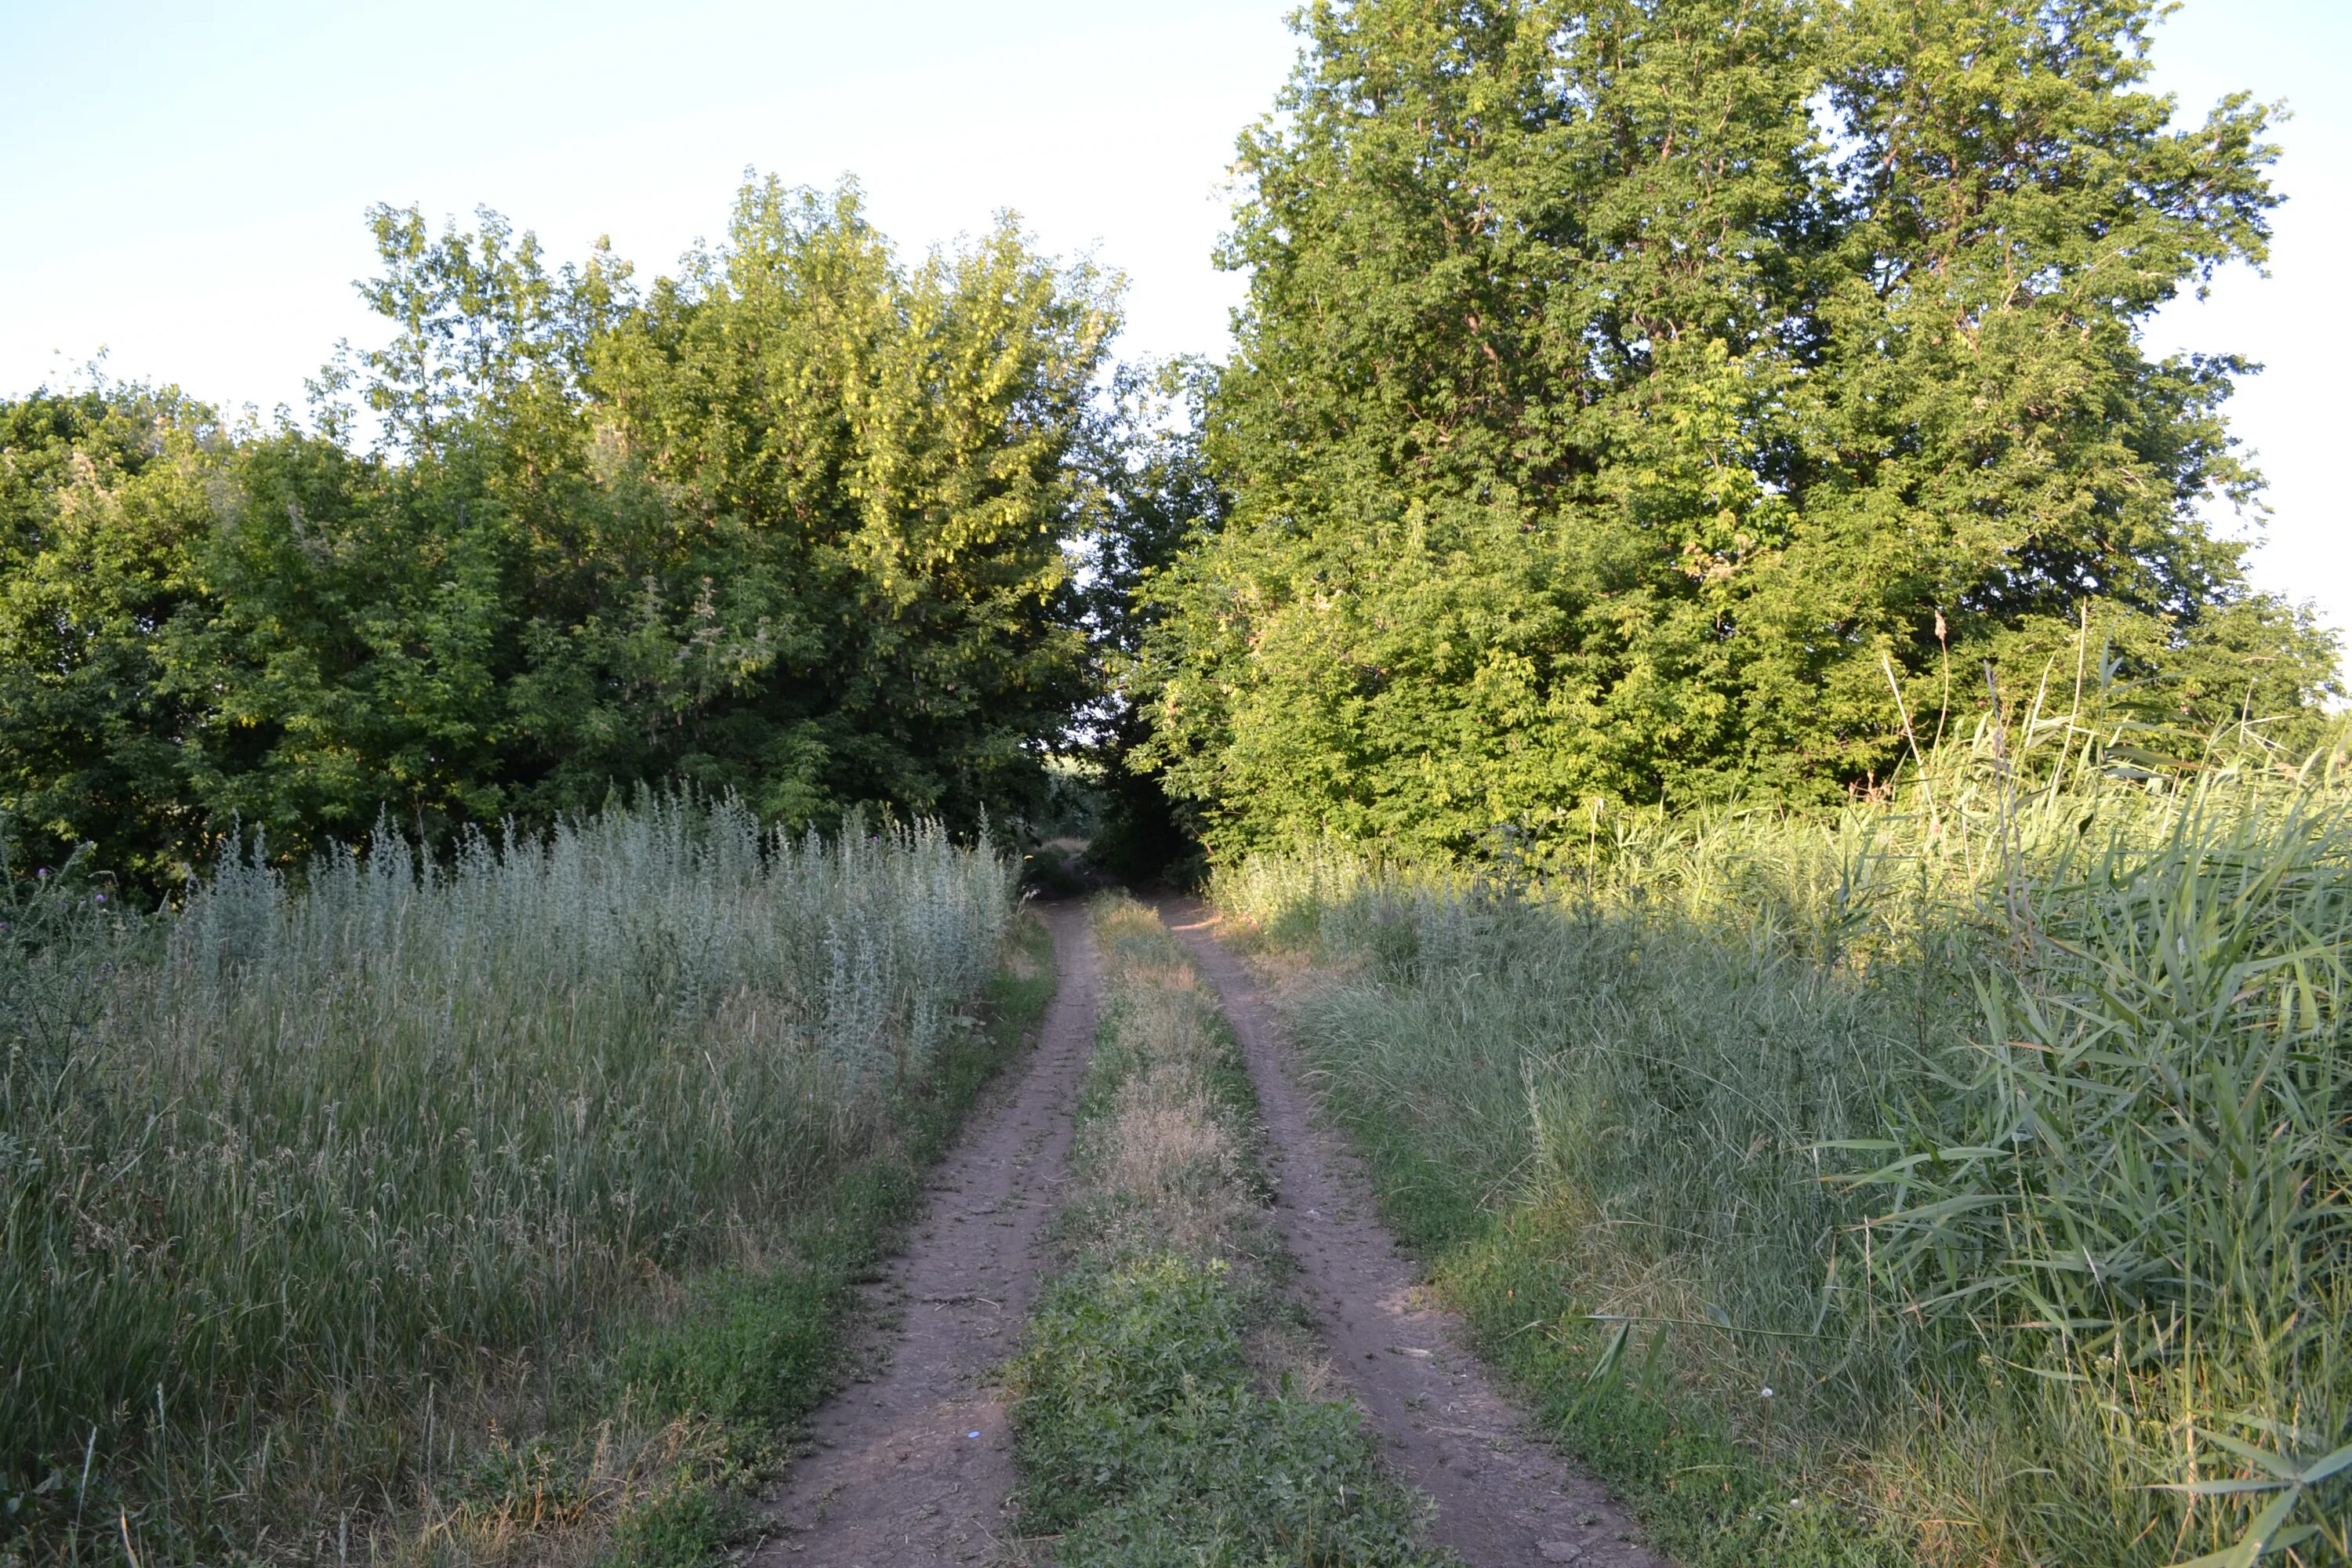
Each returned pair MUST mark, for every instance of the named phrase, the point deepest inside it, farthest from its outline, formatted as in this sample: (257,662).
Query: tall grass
(302,1189)
(2001,1127)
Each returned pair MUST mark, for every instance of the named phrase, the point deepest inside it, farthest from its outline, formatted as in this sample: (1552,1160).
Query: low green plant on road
(1167,1412)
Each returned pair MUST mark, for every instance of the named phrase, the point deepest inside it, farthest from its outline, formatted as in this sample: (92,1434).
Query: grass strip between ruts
(1158,1421)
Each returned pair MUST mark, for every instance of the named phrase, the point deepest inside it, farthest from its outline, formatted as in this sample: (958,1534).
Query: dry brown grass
(1168,1152)
(1170,1157)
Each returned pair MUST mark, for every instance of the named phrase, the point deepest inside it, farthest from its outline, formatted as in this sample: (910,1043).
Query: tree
(792,524)
(105,498)
(1159,497)
(868,475)
(1623,388)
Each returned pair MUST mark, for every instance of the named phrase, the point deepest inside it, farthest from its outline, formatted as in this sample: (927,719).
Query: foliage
(103,504)
(1996,1129)
(1159,500)
(1625,389)
(332,1204)
(790,524)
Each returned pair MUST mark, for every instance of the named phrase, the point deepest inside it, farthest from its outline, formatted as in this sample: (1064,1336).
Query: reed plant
(306,1186)
(1976,1159)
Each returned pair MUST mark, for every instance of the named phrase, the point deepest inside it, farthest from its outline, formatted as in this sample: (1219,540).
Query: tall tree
(790,523)
(1622,386)
(106,496)
(868,472)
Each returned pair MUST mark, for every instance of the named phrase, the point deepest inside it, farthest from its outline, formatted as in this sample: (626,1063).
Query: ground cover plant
(1166,1410)
(429,1212)
(1956,1177)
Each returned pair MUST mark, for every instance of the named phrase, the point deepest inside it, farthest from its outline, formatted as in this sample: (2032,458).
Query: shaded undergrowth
(1961,1178)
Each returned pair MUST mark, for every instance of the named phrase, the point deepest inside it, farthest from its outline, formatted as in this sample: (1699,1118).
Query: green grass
(1708,1499)
(1157,1421)
(2000,1131)
(428,1215)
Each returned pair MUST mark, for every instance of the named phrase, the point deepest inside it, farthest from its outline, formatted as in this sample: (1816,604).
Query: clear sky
(184,183)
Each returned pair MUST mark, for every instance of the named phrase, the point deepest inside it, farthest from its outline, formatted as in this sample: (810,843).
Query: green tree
(105,500)
(1159,497)
(866,473)
(1623,387)
(790,523)
(359,631)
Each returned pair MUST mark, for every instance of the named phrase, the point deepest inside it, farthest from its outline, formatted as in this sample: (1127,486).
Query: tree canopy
(1625,390)
(1633,400)
(791,523)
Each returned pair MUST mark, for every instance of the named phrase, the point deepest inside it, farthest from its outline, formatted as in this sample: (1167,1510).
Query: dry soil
(914,1467)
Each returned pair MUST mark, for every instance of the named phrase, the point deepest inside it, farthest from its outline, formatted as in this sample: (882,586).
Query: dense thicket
(790,523)
(1627,392)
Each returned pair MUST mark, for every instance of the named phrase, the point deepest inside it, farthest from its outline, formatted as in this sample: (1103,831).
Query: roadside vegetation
(1170,1408)
(464,1213)
(1585,621)
(1956,1177)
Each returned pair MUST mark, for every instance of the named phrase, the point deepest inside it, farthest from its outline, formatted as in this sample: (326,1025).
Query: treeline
(1627,391)
(790,523)
(1651,399)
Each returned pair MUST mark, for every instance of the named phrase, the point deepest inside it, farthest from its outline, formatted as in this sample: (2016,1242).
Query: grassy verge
(1630,1408)
(507,1212)
(1167,1405)
(1962,1183)
(716,1386)
(754,1350)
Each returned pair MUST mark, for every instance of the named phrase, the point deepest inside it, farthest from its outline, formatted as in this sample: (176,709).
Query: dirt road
(914,1468)
(1503,1499)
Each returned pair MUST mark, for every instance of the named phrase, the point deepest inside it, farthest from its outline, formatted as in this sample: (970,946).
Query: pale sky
(183,184)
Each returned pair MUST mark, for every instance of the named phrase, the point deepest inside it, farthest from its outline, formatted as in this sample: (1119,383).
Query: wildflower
(1765,1393)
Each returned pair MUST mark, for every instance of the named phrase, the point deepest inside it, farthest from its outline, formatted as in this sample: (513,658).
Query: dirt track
(1502,1498)
(914,1468)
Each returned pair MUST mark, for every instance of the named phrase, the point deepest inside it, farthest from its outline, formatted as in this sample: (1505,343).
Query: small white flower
(1766,1394)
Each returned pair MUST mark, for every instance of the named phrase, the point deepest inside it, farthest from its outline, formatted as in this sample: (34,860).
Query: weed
(453,1205)
(2005,1142)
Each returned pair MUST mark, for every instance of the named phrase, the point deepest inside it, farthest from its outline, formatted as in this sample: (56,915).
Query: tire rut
(914,1466)
(1503,1497)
